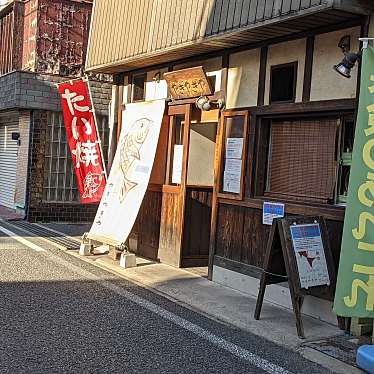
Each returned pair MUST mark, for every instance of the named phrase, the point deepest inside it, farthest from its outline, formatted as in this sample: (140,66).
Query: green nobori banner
(355,285)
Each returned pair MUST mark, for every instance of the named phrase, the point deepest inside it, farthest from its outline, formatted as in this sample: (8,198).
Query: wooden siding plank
(260,10)
(169,33)
(245,12)
(176,22)
(230,14)
(163,19)
(295,5)
(217,16)
(165,29)
(238,13)
(184,25)
(195,16)
(99,36)
(225,19)
(135,22)
(91,49)
(116,25)
(252,14)
(126,29)
(143,38)
(122,24)
(141,15)
(286,6)
(209,19)
(268,9)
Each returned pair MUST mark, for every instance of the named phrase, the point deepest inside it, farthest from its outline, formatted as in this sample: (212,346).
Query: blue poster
(271,211)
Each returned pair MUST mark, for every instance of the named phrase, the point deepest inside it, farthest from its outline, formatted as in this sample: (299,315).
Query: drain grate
(53,236)
(343,347)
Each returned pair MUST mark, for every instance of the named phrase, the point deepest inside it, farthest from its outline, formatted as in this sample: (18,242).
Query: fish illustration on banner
(130,172)
(130,152)
(91,184)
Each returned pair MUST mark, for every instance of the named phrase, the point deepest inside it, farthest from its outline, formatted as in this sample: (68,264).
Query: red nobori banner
(83,139)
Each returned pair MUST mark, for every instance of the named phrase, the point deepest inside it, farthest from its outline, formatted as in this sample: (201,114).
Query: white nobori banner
(130,172)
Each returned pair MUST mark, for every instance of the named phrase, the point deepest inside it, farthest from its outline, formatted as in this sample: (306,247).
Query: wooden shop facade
(284,135)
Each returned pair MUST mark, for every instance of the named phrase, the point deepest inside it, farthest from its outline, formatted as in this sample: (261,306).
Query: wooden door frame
(180,189)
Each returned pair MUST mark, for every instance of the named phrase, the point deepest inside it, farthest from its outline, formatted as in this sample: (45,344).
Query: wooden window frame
(221,152)
(173,111)
(295,64)
(51,188)
(263,130)
(343,160)
(144,75)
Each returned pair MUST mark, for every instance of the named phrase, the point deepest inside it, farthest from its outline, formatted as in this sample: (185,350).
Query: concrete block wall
(28,90)
(8,84)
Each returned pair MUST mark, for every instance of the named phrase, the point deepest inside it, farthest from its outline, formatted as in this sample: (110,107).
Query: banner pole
(95,120)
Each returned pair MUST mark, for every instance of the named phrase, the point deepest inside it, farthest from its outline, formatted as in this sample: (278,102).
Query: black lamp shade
(344,68)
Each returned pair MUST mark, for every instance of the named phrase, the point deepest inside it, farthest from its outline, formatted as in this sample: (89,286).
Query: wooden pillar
(361,326)
(371,27)
(113,124)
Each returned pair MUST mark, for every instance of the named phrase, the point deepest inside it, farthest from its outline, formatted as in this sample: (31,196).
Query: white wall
(243,72)
(154,89)
(126,91)
(327,84)
(284,53)
(200,169)
(243,78)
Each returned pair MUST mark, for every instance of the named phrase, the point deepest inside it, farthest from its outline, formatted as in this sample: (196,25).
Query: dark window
(283,83)
(346,148)
(138,87)
(212,82)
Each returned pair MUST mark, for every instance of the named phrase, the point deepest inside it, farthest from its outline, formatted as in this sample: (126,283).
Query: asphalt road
(61,315)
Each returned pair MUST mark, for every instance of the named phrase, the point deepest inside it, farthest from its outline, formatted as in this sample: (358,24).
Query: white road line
(27,243)
(219,342)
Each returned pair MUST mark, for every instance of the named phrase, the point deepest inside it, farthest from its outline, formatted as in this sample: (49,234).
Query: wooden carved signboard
(298,251)
(188,83)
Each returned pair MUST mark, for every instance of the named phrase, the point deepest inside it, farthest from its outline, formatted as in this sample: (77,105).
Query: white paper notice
(234,148)
(310,255)
(177,164)
(233,166)
(231,175)
(231,182)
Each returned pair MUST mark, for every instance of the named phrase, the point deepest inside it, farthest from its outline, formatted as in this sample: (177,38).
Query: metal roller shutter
(8,159)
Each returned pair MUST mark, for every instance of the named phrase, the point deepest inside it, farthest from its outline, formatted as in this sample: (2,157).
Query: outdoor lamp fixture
(157,77)
(346,65)
(203,103)
(350,58)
